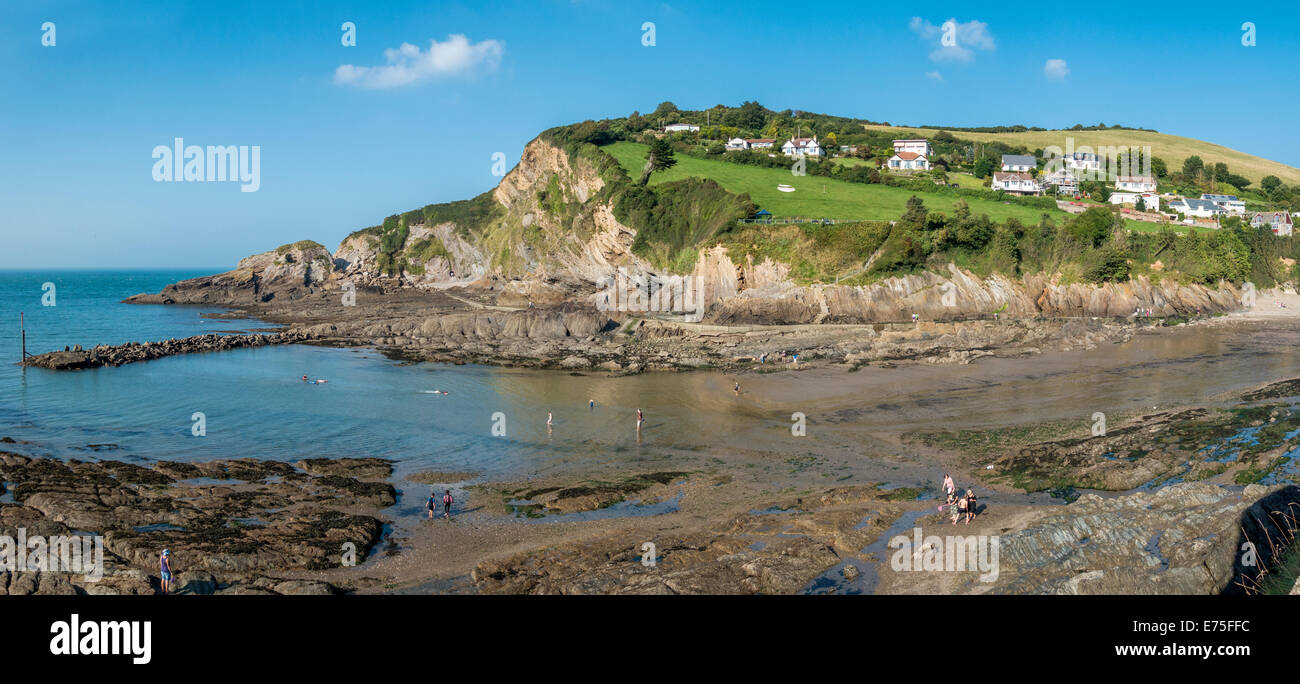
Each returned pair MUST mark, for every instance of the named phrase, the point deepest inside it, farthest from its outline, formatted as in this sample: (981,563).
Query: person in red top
(446,504)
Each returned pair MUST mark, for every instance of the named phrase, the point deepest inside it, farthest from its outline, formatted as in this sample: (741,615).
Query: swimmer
(591,403)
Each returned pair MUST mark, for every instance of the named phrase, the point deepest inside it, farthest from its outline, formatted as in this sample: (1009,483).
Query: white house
(737,144)
(918,146)
(802,147)
(1229,203)
(909,161)
(1064,181)
(1017,183)
(681,127)
(1136,183)
(1198,208)
(1150,200)
(1083,161)
(1019,162)
(760,143)
(1279,221)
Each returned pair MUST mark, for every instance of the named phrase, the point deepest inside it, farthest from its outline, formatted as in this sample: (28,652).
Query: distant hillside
(1172,148)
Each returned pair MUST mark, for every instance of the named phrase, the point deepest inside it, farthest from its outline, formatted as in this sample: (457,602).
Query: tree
(660,158)
(1270,184)
(750,115)
(984,167)
(1192,167)
(1159,168)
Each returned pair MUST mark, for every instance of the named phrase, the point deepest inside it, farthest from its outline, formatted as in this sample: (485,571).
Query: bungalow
(1136,183)
(737,144)
(1198,208)
(681,127)
(1279,221)
(1150,200)
(760,143)
(1016,183)
(918,146)
(802,147)
(909,161)
(1228,203)
(1019,162)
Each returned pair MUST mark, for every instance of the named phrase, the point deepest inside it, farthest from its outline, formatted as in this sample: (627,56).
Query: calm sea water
(255,404)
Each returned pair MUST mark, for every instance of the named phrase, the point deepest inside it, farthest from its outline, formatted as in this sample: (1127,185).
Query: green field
(814,196)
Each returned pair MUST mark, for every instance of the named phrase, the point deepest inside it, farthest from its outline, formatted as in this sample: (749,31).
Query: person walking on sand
(948,486)
(959,511)
(970,506)
(446,504)
(432,504)
(165,571)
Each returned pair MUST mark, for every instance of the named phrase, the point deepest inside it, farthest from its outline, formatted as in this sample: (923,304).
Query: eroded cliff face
(955,294)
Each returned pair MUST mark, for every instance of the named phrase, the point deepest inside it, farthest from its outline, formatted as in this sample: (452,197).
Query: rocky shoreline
(232,526)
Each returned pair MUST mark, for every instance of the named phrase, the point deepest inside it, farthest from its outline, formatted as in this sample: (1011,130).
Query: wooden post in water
(22,328)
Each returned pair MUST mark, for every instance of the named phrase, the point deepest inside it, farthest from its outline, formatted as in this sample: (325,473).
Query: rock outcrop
(1182,539)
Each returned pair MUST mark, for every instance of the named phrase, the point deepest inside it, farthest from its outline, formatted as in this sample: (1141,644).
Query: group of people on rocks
(959,505)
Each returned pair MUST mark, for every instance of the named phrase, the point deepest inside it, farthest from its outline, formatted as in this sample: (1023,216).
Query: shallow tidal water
(254,403)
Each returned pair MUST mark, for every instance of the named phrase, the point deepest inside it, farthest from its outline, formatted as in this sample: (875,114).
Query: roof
(760,140)
(1001,176)
(1220,198)
(908,140)
(909,156)
(1199,204)
(1271,216)
(1137,179)
(1019,160)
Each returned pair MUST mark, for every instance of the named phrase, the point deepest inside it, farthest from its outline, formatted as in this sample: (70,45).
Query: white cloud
(407,64)
(963,39)
(934,75)
(1056,69)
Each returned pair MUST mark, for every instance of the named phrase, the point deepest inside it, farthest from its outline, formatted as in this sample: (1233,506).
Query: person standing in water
(736,389)
(549,418)
(446,504)
(591,403)
(165,571)
(432,503)
(640,417)
(948,486)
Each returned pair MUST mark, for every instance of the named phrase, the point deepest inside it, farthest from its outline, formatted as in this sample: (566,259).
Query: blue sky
(79,120)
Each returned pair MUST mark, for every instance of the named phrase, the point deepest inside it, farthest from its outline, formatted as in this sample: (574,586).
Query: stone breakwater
(105,355)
